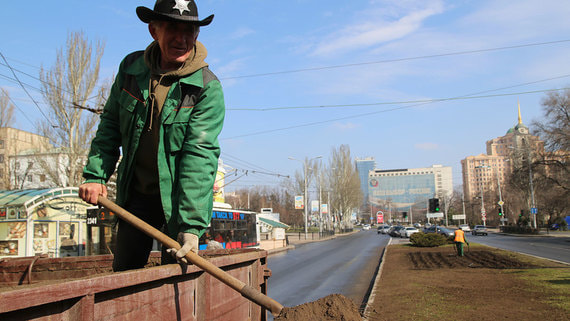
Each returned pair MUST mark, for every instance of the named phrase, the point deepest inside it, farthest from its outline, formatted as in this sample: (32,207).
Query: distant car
(385,229)
(381,228)
(417,225)
(555,227)
(439,230)
(445,231)
(465,228)
(408,231)
(479,230)
(366,227)
(395,231)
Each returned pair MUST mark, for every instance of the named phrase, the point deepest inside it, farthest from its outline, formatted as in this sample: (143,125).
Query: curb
(281,249)
(372,296)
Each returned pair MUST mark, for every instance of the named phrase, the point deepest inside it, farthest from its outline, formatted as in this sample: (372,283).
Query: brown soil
(472,259)
(334,307)
(436,284)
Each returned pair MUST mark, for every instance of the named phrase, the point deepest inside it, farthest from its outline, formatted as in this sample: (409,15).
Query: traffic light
(434,205)
(500,211)
(522,213)
(405,215)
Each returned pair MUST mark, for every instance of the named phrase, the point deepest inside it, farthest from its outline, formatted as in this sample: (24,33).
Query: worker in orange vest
(459,241)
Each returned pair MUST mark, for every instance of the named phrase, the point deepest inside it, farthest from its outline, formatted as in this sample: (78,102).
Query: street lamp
(305,171)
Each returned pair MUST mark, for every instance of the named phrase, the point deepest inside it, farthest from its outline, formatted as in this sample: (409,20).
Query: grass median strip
(485,284)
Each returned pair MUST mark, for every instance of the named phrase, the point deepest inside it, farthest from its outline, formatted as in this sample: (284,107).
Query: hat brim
(147,15)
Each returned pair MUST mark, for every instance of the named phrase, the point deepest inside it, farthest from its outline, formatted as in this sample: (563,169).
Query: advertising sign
(325,208)
(314,206)
(379,217)
(299,204)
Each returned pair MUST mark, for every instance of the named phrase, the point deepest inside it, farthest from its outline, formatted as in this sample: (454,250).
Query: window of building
(1,143)
(30,177)
(17,165)
(42,178)
(1,158)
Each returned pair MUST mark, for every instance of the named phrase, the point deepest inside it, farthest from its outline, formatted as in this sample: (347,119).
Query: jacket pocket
(175,127)
(127,105)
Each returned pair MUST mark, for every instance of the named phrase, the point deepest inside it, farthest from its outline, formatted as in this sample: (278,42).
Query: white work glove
(189,242)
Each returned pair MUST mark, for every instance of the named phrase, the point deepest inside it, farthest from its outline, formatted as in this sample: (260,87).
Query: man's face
(176,41)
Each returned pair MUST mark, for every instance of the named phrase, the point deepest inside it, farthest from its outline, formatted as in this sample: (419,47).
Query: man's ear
(152,30)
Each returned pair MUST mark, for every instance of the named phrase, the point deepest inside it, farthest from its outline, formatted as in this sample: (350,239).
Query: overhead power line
(27,93)
(397,59)
(433,100)
(374,113)
(15,105)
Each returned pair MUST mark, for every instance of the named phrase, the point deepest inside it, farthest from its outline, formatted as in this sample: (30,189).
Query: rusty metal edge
(30,296)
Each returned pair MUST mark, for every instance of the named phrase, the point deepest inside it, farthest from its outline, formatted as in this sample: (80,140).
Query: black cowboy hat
(173,10)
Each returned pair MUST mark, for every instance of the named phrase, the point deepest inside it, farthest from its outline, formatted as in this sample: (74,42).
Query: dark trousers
(459,246)
(133,246)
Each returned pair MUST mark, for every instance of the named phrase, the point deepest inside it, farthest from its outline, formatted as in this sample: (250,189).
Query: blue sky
(302,77)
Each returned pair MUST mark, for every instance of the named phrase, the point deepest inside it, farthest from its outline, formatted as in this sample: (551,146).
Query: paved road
(345,265)
(555,248)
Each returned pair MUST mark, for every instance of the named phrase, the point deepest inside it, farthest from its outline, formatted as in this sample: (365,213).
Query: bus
(234,229)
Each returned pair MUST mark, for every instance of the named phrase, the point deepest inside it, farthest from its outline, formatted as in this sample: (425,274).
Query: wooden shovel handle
(244,289)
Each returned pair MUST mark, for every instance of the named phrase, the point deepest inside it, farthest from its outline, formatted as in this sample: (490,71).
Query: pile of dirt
(472,259)
(332,307)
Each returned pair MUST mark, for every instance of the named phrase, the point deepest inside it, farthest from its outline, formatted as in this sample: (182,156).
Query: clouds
(377,28)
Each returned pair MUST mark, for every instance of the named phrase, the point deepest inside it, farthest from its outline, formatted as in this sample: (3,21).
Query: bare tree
(344,182)
(555,128)
(6,109)
(68,84)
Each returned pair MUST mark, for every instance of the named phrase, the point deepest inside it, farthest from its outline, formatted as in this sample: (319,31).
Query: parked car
(395,231)
(408,231)
(465,227)
(365,227)
(439,230)
(555,227)
(445,231)
(479,230)
(386,229)
(417,225)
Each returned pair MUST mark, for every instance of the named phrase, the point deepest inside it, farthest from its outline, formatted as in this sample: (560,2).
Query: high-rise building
(409,189)
(486,172)
(364,166)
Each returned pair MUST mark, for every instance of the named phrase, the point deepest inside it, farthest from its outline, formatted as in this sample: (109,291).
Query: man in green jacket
(163,116)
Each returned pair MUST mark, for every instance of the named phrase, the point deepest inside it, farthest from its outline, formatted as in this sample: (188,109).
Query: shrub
(428,239)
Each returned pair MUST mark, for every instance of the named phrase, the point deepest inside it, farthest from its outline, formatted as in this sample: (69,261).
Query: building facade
(487,172)
(364,166)
(408,190)
(13,142)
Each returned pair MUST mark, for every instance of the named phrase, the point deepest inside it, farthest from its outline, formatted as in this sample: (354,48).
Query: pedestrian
(459,241)
(163,117)
(213,245)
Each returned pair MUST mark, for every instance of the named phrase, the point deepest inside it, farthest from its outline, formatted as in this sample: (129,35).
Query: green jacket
(190,122)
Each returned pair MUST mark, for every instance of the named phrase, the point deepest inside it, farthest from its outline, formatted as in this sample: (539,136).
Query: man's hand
(89,192)
(189,243)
